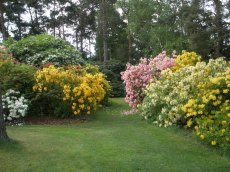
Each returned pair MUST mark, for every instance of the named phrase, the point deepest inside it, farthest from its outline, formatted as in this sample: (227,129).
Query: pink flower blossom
(137,77)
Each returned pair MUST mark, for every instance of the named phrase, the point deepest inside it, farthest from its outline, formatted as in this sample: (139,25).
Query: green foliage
(112,71)
(41,49)
(49,105)
(17,76)
(198,34)
(143,27)
(154,26)
(111,31)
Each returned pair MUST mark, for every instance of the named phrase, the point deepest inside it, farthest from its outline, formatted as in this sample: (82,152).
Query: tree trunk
(54,22)
(62,21)
(81,40)
(36,17)
(76,37)
(19,25)
(59,31)
(3,134)
(104,30)
(129,34)
(130,45)
(32,20)
(218,22)
(105,47)
(90,48)
(3,29)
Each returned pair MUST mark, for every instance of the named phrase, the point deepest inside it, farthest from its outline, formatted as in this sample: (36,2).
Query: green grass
(107,142)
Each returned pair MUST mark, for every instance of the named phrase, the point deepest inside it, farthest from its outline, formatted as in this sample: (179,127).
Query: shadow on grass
(11,146)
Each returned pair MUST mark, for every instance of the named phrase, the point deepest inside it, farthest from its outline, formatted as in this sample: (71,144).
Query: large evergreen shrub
(112,71)
(41,49)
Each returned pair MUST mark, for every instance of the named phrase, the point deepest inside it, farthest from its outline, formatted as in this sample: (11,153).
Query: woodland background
(124,30)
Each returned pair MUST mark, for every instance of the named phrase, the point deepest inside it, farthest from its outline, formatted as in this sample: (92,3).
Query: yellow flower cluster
(186,59)
(209,111)
(82,91)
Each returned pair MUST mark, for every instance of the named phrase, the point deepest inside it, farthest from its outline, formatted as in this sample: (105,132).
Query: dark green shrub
(112,69)
(41,49)
(19,77)
(49,104)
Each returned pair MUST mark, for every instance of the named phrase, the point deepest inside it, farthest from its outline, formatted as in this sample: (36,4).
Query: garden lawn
(107,142)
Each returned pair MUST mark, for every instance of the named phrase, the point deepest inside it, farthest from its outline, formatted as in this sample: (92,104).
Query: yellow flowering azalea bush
(209,110)
(186,59)
(80,89)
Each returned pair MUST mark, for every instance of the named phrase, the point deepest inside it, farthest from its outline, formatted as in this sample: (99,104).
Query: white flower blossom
(14,104)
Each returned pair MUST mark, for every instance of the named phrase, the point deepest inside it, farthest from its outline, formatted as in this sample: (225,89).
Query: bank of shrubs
(60,91)
(58,87)
(193,94)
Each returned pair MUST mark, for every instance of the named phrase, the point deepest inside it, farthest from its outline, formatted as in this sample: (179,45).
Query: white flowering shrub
(14,105)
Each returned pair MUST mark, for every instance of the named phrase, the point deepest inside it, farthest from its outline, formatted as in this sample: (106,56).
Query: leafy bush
(76,89)
(209,110)
(19,77)
(138,77)
(14,105)
(4,55)
(41,49)
(112,70)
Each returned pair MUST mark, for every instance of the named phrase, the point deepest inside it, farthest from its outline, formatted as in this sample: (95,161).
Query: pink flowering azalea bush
(138,77)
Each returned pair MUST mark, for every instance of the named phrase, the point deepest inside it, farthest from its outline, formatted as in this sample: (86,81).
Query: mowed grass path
(108,142)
